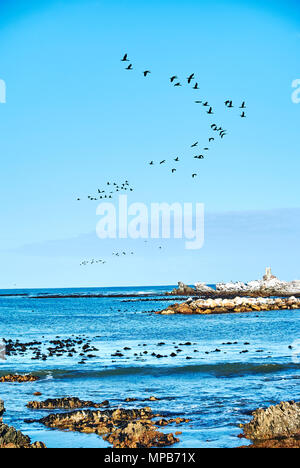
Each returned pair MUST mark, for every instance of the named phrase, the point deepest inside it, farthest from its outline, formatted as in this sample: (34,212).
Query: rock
(123,428)
(139,434)
(65,403)
(11,438)
(18,378)
(2,409)
(182,290)
(275,422)
(203,288)
(269,286)
(237,305)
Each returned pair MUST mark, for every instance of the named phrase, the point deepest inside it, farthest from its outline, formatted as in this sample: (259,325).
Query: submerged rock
(275,427)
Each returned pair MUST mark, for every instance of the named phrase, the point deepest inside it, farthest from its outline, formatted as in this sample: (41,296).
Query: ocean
(214,384)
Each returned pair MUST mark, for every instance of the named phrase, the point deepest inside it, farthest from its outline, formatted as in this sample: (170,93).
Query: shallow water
(215,390)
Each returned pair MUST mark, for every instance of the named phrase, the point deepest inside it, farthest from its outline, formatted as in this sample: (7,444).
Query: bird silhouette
(194,175)
(125,59)
(146,72)
(211,139)
(210,111)
(173,170)
(151,163)
(194,144)
(228,103)
(162,162)
(243,115)
(190,78)
(174,77)
(206,104)
(176,159)
(129,67)
(196,86)
(198,102)
(243,106)
(178,84)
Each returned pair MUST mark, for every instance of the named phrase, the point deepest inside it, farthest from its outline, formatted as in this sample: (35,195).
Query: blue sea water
(216,391)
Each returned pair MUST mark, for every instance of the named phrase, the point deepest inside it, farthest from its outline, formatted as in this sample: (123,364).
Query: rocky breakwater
(11,438)
(275,427)
(225,306)
(123,428)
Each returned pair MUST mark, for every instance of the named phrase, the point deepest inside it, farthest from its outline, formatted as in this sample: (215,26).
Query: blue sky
(75,119)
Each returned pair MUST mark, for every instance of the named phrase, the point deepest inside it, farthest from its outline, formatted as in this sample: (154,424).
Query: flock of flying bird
(113,187)
(114,254)
(195,85)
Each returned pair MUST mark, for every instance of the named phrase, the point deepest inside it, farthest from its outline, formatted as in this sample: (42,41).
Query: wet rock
(275,427)
(129,428)
(65,403)
(11,438)
(18,378)
(139,434)
(275,422)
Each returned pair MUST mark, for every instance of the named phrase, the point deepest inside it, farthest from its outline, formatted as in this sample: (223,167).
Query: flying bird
(243,115)
(178,84)
(210,111)
(196,86)
(194,175)
(162,162)
(243,106)
(125,59)
(129,67)
(146,72)
(173,78)
(211,139)
(176,159)
(190,78)
(173,170)
(194,144)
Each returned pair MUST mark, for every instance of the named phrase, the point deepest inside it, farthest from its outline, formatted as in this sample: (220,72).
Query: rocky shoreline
(269,286)
(274,427)
(226,306)
(123,428)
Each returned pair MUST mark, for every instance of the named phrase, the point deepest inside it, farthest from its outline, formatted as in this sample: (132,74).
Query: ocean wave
(218,370)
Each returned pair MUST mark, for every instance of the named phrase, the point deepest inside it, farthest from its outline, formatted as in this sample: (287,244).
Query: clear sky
(74,118)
